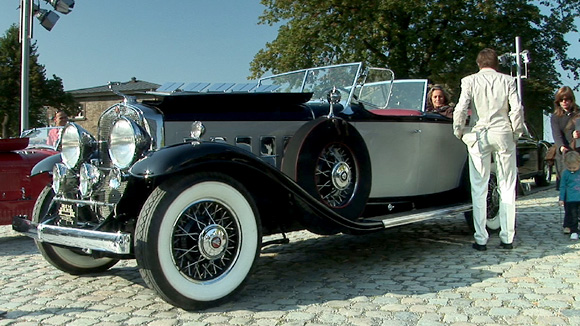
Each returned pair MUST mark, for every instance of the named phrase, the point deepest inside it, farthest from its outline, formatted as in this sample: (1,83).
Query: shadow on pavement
(418,259)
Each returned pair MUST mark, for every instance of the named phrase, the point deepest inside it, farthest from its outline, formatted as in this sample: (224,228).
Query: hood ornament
(333,98)
(127,99)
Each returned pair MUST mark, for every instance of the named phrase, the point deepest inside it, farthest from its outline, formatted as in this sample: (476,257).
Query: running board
(392,220)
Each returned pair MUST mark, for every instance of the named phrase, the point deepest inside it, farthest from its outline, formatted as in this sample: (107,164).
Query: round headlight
(127,142)
(58,177)
(71,146)
(89,179)
(76,144)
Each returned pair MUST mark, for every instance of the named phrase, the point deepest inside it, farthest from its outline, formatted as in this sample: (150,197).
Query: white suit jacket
(494,102)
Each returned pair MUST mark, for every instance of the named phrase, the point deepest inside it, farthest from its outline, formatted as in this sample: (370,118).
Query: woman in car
(438,101)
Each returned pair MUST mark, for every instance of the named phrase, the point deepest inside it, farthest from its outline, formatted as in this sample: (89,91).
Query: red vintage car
(18,191)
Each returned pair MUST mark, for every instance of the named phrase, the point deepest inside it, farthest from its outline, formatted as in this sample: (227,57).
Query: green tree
(43,92)
(435,39)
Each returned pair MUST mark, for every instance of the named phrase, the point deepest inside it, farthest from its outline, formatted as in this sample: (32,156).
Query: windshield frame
(39,137)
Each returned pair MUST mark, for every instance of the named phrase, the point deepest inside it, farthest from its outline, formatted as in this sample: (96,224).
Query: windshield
(408,94)
(319,81)
(42,137)
(377,88)
(373,87)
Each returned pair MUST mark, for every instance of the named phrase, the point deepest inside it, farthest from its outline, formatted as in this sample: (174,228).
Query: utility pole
(47,20)
(25,36)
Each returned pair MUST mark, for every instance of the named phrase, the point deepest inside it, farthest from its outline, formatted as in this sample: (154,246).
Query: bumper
(117,243)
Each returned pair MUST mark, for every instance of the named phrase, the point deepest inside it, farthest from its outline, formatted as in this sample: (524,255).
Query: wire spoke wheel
(197,239)
(205,240)
(335,175)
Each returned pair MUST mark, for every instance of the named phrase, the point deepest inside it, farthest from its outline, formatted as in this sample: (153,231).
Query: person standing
(562,122)
(497,117)
(570,191)
(60,120)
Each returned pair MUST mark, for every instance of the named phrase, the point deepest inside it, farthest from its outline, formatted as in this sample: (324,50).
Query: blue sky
(155,41)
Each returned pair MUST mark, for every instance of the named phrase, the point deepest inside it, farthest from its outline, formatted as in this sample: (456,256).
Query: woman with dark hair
(438,101)
(563,131)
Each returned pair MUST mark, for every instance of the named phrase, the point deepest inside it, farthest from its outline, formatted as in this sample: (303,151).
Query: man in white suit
(497,117)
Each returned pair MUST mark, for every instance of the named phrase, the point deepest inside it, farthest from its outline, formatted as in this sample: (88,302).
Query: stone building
(94,100)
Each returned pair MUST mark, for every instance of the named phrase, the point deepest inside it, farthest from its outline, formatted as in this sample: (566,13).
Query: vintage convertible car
(189,183)
(18,190)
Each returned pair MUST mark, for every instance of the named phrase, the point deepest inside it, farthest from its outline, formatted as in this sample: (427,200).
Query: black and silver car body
(188,184)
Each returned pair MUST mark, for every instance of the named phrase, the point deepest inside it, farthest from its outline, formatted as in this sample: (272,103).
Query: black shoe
(507,246)
(479,247)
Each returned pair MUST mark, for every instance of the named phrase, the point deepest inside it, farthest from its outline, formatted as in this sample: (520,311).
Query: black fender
(180,158)
(46,164)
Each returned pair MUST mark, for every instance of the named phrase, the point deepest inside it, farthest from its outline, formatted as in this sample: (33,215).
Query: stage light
(47,18)
(62,6)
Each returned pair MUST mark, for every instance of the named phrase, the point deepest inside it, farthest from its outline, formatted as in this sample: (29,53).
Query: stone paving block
(420,274)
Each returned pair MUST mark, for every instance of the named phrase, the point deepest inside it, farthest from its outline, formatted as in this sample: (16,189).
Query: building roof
(132,86)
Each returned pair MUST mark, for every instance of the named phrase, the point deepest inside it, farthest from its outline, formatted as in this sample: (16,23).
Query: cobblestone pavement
(422,274)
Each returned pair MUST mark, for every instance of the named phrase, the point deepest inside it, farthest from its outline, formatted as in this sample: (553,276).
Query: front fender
(46,164)
(177,158)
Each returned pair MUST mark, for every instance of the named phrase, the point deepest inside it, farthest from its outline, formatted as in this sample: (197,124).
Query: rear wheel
(70,260)
(492,201)
(197,239)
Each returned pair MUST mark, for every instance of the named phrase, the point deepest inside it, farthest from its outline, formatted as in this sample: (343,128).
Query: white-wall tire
(197,239)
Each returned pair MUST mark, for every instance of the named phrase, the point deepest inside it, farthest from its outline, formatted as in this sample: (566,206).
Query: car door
(393,147)
(443,156)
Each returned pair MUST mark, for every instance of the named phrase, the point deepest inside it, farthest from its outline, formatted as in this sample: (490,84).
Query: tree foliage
(43,92)
(434,39)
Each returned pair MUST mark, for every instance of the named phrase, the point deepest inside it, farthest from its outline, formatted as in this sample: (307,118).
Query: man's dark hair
(487,58)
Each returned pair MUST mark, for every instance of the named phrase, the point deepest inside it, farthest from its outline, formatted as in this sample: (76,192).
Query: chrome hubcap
(341,175)
(213,241)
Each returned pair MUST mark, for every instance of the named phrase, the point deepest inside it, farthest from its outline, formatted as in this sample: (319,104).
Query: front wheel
(197,239)
(72,261)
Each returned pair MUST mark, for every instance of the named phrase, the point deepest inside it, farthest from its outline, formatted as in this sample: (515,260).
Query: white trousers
(503,147)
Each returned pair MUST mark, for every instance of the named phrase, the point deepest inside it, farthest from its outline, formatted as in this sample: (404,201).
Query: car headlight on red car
(77,144)
(127,142)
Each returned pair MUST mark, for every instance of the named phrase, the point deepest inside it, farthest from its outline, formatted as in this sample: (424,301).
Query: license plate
(67,213)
